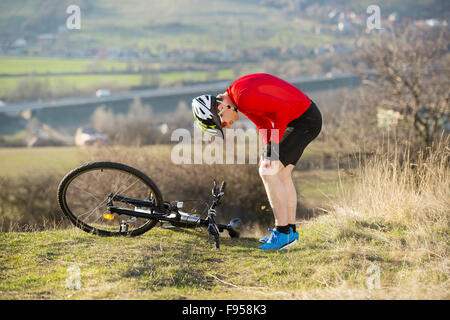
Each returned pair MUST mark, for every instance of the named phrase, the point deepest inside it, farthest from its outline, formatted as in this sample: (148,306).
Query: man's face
(228,116)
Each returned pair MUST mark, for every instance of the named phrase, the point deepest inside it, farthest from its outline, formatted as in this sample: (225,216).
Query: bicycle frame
(171,214)
(164,217)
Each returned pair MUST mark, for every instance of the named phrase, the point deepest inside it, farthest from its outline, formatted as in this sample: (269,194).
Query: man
(287,121)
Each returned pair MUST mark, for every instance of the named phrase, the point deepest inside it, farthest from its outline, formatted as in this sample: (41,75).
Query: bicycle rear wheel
(84,192)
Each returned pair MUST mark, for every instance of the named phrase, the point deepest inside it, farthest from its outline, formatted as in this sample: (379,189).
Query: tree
(412,76)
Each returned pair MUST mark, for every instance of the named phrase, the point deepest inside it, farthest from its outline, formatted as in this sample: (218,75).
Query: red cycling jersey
(268,101)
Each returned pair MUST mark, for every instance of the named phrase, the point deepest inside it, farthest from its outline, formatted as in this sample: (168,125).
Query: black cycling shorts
(299,133)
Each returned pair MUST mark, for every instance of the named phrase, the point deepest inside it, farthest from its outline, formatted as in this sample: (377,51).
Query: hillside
(335,259)
(162,25)
(191,23)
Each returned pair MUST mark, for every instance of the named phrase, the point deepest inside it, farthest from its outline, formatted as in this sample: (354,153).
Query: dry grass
(392,188)
(397,211)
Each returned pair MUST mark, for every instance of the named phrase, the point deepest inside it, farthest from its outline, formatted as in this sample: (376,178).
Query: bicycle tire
(65,182)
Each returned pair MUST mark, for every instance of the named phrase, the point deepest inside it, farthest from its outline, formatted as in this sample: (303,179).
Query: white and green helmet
(206,114)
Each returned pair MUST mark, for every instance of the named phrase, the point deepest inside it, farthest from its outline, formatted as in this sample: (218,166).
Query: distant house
(89,137)
(429,23)
(323,50)
(163,128)
(432,22)
(386,118)
(393,17)
(20,42)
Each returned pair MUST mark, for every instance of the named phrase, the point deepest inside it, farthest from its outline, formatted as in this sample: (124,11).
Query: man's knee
(271,173)
(286,173)
(268,176)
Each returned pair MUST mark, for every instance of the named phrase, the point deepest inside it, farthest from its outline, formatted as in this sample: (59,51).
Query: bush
(140,126)
(28,203)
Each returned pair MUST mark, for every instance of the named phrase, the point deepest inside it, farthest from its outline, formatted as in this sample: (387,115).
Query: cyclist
(287,121)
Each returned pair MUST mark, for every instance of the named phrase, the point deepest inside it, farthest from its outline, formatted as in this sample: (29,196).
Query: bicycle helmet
(206,114)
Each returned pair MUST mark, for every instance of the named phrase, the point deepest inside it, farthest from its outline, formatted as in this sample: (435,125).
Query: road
(15,108)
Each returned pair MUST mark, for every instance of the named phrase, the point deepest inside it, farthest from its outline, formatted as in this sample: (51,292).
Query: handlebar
(222,187)
(217,193)
(212,226)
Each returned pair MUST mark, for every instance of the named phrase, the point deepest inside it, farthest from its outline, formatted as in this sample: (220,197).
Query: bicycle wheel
(84,192)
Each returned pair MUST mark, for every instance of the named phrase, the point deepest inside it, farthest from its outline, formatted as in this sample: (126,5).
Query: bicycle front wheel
(83,196)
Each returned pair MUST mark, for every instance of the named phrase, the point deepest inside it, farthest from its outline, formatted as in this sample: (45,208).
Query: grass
(331,261)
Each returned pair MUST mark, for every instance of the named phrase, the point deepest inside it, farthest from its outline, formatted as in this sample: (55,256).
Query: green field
(88,82)
(16,162)
(20,65)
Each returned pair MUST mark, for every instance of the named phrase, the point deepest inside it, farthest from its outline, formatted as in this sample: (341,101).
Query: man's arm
(263,125)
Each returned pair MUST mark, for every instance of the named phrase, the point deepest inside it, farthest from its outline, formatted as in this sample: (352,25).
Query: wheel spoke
(90,193)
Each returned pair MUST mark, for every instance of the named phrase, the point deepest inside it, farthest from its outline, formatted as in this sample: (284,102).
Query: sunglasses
(227,107)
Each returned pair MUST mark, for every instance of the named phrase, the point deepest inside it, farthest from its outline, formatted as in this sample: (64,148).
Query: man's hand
(264,162)
(269,167)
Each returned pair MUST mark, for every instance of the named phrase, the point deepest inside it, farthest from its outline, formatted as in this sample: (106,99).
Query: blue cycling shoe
(265,239)
(291,234)
(296,236)
(278,241)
